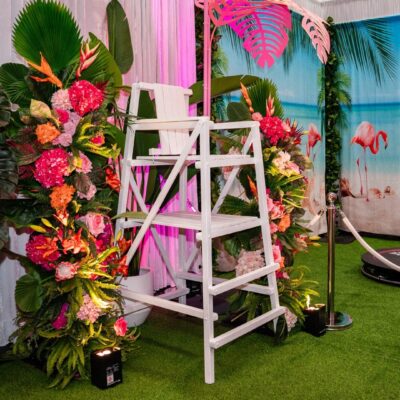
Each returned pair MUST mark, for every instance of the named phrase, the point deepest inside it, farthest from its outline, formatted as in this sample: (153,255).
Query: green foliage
(47,27)
(29,292)
(335,93)
(220,86)
(119,36)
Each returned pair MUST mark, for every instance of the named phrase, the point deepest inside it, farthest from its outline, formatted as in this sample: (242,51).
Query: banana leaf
(119,36)
(220,86)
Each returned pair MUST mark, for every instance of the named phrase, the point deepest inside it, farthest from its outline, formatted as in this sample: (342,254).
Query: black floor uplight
(106,368)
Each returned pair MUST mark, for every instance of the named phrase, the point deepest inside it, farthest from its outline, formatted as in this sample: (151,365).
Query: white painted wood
(248,287)
(177,145)
(242,279)
(247,327)
(157,301)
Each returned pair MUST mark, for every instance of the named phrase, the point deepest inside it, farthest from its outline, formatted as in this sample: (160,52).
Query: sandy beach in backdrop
(380,216)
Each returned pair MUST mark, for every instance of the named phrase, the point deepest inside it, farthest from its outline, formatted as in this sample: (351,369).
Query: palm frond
(259,93)
(14,83)
(368,44)
(47,27)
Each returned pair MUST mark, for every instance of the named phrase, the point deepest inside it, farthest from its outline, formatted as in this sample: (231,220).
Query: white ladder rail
(164,191)
(247,287)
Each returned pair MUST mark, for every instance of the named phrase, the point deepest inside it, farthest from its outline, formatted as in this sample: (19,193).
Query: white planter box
(136,313)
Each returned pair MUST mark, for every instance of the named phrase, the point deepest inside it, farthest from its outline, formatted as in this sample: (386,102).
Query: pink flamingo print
(367,138)
(313,138)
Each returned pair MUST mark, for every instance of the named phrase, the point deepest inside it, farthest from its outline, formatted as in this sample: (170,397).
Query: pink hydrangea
(51,167)
(291,319)
(94,222)
(42,250)
(66,270)
(60,100)
(73,121)
(61,321)
(85,97)
(249,261)
(88,310)
(89,194)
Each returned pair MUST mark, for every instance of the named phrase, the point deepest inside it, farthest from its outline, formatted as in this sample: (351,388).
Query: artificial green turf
(359,363)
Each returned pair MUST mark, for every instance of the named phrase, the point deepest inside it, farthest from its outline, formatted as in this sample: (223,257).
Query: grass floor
(359,363)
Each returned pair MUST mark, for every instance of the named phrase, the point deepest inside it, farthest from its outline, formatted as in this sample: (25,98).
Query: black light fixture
(106,367)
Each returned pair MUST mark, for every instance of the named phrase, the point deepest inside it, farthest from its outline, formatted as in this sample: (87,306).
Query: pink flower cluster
(61,321)
(51,167)
(273,129)
(88,310)
(70,121)
(85,97)
(249,261)
(84,164)
(291,319)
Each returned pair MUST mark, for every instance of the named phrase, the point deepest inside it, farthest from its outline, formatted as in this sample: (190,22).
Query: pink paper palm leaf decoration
(263,23)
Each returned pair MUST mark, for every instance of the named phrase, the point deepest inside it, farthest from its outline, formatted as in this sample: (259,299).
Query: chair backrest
(172,103)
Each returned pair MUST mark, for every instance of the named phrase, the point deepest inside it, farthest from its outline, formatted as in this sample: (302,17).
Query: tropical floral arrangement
(64,139)
(284,165)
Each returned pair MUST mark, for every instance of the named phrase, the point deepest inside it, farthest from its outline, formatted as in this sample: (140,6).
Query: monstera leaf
(47,27)
(29,292)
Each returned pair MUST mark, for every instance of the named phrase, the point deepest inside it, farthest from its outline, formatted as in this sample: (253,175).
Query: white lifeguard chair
(179,134)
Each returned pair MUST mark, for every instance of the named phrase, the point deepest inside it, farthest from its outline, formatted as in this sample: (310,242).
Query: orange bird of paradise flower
(45,69)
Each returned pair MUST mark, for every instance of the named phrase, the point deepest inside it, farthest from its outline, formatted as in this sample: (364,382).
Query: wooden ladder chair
(179,134)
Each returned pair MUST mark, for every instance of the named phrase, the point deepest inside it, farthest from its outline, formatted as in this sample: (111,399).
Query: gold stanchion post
(335,320)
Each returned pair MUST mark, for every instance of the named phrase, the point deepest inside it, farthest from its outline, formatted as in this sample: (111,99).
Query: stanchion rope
(353,230)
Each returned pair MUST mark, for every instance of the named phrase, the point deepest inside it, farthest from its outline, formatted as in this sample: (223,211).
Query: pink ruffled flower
(60,100)
(249,261)
(51,167)
(120,327)
(273,227)
(85,164)
(66,270)
(98,140)
(61,321)
(89,194)
(88,310)
(42,250)
(94,222)
(85,97)
(73,121)
(256,116)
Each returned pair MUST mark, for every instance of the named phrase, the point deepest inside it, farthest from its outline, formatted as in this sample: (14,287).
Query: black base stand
(375,269)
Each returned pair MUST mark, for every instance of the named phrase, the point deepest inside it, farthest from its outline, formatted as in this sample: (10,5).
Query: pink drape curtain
(173,21)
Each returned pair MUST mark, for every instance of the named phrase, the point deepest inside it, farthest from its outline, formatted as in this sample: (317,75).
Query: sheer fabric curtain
(163,39)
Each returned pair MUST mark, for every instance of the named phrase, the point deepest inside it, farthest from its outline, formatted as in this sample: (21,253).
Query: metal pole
(335,320)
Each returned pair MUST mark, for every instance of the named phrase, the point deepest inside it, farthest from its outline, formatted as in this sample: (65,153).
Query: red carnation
(85,97)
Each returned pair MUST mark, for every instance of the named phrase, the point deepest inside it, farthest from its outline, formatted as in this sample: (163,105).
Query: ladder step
(167,304)
(221,224)
(247,327)
(226,161)
(248,287)
(242,279)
